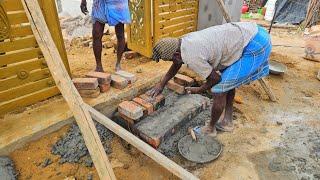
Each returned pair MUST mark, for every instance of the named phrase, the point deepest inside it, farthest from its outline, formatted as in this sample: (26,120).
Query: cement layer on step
(172,115)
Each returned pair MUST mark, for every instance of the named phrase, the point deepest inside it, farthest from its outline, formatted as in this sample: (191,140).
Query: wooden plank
(17,17)
(17,44)
(26,89)
(69,92)
(49,11)
(142,146)
(267,89)
(16,81)
(20,31)
(224,11)
(19,56)
(14,69)
(12,5)
(28,99)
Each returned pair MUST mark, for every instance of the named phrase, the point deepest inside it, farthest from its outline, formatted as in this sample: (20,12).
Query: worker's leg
(218,106)
(121,44)
(226,123)
(97,33)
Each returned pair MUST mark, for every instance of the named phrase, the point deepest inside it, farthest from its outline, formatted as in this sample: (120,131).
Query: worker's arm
(83,7)
(213,79)
(176,65)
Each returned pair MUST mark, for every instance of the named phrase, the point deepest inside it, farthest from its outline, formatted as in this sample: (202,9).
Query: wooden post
(142,146)
(267,89)
(224,10)
(262,81)
(69,92)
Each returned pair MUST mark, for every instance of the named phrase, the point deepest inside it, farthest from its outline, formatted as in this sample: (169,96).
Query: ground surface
(271,140)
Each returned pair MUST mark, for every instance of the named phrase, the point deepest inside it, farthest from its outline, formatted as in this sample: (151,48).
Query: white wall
(72,7)
(210,14)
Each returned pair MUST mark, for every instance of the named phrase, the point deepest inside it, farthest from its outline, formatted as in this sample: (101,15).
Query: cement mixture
(297,155)
(72,148)
(7,170)
(202,150)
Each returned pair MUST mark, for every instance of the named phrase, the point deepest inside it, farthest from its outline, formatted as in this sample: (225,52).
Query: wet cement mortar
(71,147)
(203,149)
(298,153)
(7,169)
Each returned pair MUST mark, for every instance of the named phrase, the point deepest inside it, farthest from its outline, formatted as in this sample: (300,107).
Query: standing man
(115,13)
(227,56)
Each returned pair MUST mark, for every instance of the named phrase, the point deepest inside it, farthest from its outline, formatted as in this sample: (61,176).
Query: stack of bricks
(179,83)
(104,80)
(121,79)
(87,87)
(140,107)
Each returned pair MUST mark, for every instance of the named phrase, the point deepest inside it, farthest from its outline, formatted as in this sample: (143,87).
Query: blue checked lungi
(252,65)
(112,12)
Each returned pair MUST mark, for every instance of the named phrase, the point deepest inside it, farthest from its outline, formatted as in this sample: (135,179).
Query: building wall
(210,14)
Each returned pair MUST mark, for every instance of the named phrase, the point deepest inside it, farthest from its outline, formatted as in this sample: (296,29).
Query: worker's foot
(118,67)
(206,130)
(225,127)
(99,69)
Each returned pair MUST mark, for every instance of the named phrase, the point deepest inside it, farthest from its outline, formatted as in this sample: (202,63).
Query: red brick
(154,142)
(157,102)
(85,83)
(124,117)
(89,93)
(103,78)
(176,87)
(148,106)
(118,82)
(183,80)
(131,54)
(131,78)
(104,87)
(131,110)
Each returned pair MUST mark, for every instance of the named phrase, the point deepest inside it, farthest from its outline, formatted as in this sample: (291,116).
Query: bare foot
(225,125)
(118,67)
(208,131)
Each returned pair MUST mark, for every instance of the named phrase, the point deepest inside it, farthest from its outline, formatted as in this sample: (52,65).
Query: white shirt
(216,47)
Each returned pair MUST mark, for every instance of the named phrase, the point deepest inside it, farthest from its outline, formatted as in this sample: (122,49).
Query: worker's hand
(193,90)
(83,7)
(155,91)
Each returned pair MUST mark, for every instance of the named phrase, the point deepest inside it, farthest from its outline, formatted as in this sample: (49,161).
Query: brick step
(162,124)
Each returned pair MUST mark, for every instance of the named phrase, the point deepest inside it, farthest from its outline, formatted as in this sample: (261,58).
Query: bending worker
(227,56)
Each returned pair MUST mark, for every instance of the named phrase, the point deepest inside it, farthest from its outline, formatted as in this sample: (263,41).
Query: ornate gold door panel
(24,75)
(139,31)
(172,18)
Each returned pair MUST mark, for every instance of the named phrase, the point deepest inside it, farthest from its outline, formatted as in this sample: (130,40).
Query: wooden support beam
(224,11)
(142,146)
(262,82)
(69,92)
(267,89)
